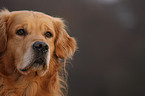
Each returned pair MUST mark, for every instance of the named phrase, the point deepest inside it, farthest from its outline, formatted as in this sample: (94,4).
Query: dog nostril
(40,46)
(46,47)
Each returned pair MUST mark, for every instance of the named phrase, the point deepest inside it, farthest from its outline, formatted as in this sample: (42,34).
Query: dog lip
(26,68)
(36,62)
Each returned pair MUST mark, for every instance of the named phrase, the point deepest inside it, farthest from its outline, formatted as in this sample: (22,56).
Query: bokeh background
(111,39)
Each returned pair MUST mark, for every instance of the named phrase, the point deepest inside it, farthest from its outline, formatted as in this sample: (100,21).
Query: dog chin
(35,71)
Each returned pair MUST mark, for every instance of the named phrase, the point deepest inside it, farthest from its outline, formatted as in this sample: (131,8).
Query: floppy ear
(4,15)
(65,45)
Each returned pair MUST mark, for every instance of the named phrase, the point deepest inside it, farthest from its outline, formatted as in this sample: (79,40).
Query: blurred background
(111,39)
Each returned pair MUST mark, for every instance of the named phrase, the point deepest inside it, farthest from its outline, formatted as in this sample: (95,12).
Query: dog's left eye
(48,34)
(21,32)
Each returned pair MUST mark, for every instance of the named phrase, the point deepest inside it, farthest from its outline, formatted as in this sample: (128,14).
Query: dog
(34,48)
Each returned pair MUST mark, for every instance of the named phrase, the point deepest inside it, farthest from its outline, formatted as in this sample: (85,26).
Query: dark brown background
(111,40)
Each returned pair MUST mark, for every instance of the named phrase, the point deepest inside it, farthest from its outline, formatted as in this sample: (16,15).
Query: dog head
(33,40)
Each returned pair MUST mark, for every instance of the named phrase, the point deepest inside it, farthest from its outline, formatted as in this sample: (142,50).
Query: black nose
(40,46)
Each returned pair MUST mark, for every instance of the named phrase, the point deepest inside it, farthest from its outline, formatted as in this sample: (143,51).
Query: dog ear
(65,45)
(4,15)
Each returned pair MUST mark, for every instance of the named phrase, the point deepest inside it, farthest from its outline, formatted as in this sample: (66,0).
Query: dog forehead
(30,16)
(30,13)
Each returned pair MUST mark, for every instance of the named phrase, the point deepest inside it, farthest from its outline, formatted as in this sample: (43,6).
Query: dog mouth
(37,64)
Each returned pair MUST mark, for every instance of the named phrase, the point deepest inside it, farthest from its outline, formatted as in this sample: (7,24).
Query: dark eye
(21,32)
(48,34)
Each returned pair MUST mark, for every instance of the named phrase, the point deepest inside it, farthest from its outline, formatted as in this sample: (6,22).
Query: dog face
(33,39)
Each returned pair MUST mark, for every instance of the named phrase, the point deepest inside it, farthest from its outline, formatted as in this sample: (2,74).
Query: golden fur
(13,49)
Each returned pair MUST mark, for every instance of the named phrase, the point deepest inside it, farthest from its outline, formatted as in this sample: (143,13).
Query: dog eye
(21,32)
(48,34)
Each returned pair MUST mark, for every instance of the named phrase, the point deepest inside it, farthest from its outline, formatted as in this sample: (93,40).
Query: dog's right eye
(21,32)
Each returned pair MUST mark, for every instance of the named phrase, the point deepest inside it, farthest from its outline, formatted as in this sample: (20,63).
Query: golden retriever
(33,50)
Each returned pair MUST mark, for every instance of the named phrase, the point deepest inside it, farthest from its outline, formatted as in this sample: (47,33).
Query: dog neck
(26,86)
